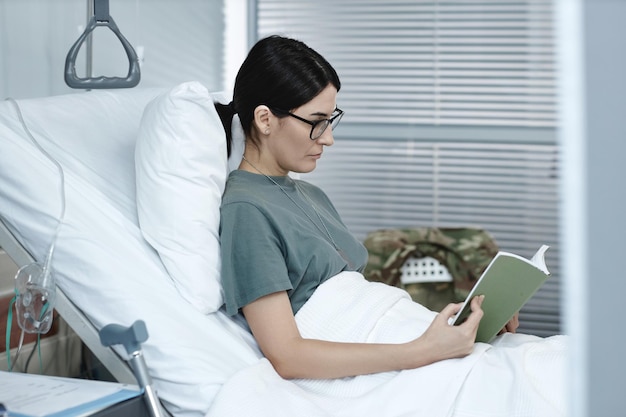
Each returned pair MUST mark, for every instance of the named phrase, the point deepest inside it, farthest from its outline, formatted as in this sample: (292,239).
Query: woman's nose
(327,138)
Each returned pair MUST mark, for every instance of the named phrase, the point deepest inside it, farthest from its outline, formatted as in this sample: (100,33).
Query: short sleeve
(253,261)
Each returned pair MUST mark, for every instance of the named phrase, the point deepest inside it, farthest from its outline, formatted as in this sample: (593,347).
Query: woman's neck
(253,162)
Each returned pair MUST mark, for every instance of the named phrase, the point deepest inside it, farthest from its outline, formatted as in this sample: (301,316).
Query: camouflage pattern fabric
(465,252)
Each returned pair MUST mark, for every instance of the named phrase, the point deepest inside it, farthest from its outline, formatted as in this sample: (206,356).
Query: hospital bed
(105,271)
(141,181)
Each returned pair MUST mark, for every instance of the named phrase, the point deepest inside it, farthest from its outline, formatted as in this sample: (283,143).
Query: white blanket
(523,376)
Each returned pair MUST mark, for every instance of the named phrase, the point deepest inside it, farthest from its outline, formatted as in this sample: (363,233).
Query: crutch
(131,338)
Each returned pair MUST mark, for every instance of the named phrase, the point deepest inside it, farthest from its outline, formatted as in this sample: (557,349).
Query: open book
(508,283)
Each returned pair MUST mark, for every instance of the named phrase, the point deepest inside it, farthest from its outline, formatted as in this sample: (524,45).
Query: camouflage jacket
(465,252)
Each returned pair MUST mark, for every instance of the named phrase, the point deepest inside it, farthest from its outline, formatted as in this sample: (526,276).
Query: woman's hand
(511,326)
(445,341)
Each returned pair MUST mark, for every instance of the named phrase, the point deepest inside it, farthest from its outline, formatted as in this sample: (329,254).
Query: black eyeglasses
(318,127)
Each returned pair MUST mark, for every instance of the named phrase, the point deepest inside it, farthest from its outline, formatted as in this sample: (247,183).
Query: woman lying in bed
(283,243)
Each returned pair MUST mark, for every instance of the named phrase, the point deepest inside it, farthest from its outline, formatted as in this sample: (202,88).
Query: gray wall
(182,40)
(593,137)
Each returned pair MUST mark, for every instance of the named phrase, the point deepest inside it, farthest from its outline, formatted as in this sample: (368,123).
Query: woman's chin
(306,167)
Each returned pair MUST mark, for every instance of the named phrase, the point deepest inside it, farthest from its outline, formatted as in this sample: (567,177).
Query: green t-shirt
(268,243)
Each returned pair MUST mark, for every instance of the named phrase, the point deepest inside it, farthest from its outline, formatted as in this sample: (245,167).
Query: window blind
(450,119)
(436,62)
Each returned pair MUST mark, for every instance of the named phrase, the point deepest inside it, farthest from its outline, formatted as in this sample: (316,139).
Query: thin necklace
(325,231)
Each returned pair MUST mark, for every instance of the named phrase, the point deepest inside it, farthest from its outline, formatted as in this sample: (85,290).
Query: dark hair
(279,72)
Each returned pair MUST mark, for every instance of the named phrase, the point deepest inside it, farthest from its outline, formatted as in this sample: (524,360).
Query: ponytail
(226,112)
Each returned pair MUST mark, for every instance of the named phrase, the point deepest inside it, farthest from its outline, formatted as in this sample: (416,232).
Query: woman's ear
(262,116)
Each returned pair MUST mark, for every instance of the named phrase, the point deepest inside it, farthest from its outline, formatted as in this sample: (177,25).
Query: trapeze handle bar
(101,17)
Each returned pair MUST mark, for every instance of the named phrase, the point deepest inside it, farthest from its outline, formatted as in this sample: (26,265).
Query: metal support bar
(101,17)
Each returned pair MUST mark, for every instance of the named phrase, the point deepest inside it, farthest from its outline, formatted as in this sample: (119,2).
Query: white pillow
(238,145)
(181,168)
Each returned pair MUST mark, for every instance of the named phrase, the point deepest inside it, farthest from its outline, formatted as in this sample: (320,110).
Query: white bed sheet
(523,377)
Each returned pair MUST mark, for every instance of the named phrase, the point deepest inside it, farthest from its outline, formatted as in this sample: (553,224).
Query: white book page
(38,395)
(539,259)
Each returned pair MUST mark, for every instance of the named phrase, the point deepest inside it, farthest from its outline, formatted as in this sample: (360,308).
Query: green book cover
(507,283)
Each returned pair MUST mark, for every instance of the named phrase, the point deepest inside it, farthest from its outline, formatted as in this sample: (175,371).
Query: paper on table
(46,396)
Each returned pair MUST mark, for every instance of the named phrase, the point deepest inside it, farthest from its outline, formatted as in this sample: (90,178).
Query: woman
(292,268)
(282,238)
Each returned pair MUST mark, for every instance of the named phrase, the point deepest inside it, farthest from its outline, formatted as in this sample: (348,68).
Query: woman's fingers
(477,313)
(450,310)
(513,324)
